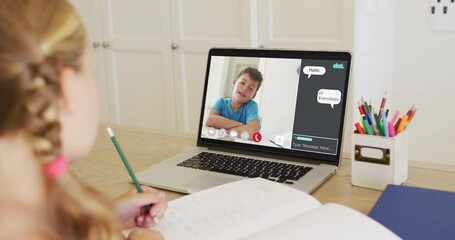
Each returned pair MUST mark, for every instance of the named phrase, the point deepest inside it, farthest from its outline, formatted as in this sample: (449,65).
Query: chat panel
(321,88)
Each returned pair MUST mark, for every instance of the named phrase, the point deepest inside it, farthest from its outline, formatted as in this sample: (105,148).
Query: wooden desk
(104,169)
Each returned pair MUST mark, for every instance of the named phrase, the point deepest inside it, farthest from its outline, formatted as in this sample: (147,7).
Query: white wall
(217,78)
(280,76)
(425,76)
(396,51)
(373,64)
(373,61)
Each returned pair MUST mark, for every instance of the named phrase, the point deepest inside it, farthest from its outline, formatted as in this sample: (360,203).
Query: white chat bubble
(313,70)
(329,96)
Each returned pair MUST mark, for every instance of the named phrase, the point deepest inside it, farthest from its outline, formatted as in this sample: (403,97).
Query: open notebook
(300,109)
(260,209)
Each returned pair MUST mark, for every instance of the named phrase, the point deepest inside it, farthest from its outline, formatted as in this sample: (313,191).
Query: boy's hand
(217,121)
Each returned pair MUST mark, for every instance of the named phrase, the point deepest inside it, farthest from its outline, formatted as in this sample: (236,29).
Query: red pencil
(382,106)
(359,128)
(383,101)
(360,109)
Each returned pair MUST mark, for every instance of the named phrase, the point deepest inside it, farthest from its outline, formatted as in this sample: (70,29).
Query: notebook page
(233,210)
(331,221)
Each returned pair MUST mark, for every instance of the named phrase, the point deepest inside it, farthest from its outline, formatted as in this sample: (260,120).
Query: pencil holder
(377,161)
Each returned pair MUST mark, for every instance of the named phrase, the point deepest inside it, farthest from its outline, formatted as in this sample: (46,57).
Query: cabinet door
(309,24)
(136,37)
(197,26)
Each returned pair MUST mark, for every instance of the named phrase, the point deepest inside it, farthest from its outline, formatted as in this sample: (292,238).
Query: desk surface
(104,169)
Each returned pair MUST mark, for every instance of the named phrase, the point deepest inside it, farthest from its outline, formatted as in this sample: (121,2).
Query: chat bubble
(313,70)
(329,96)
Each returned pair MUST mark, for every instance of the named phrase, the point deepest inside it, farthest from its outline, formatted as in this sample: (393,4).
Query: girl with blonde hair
(48,118)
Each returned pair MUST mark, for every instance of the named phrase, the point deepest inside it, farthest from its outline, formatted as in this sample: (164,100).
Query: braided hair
(37,39)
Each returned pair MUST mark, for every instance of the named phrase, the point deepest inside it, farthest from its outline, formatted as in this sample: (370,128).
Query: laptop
(301,107)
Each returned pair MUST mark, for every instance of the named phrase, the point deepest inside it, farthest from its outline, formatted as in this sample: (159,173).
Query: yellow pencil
(404,121)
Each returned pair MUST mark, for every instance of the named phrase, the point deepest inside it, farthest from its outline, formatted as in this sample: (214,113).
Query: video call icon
(245,135)
(233,134)
(222,133)
(211,132)
(257,137)
(279,139)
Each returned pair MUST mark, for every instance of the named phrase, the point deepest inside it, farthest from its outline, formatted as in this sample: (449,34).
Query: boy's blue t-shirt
(245,114)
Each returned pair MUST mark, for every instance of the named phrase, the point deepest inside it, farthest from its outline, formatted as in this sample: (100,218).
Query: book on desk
(416,213)
(260,209)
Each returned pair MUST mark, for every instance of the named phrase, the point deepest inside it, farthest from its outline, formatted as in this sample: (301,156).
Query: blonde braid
(41,103)
(80,211)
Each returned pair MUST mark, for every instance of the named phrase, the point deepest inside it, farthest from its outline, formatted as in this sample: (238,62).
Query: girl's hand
(131,207)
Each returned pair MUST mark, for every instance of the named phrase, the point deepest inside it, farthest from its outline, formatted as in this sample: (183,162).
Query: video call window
(297,104)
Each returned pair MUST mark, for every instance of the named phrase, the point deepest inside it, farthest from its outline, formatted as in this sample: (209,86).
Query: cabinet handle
(105,44)
(96,44)
(174,46)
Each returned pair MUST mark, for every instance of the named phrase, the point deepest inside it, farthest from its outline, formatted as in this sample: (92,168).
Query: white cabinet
(308,24)
(198,25)
(131,47)
(151,55)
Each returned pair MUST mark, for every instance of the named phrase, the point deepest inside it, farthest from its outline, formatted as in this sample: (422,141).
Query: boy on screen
(240,112)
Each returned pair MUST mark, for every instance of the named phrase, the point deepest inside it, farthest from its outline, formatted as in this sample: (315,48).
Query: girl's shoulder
(19,221)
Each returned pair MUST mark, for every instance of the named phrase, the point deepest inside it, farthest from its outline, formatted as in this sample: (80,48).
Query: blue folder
(416,213)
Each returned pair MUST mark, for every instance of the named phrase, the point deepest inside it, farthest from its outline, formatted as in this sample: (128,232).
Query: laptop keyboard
(246,167)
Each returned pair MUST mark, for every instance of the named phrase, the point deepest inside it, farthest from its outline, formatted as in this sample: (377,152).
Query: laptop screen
(290,103)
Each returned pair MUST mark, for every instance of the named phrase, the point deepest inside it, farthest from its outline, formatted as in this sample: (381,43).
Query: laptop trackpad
(202,182)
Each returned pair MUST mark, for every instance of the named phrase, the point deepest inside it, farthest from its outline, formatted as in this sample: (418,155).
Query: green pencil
(128,167)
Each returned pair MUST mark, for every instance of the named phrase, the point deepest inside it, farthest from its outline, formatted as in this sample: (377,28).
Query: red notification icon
(257,137)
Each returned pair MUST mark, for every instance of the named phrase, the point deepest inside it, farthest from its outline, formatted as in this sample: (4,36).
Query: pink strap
(56,167)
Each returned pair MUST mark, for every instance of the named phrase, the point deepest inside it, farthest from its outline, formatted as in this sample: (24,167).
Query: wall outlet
(442,15)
